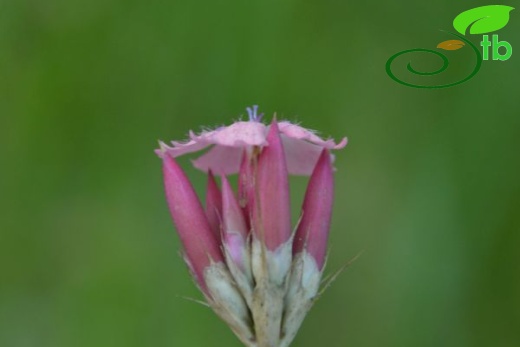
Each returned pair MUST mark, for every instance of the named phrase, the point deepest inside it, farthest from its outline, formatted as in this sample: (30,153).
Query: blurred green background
(428,185)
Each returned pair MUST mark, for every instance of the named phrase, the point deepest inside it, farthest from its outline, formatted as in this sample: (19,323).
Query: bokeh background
(428,186)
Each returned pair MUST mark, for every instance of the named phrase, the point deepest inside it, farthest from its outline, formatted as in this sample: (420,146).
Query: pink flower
(302,146)
(258,276)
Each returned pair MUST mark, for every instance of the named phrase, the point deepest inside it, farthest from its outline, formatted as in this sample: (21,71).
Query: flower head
(255,272)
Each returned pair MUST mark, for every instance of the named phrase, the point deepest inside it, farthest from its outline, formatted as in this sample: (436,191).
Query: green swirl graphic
(444,66)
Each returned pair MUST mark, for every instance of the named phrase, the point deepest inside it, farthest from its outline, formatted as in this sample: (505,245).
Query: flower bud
(272,213)
(202,252)
(200,245)
(235,236)
(313,230)
(310,246)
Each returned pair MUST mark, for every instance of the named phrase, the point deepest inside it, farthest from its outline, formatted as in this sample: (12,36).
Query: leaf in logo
(482,20)
(451,45)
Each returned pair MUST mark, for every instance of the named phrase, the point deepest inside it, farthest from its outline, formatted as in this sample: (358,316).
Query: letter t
(485,43)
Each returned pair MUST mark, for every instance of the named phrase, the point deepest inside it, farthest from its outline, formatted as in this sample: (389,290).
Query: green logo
(480,20)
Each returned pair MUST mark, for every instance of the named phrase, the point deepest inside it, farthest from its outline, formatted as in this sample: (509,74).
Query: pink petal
(180,148)
(238,134)
(301,156)
(313,230)
(221,160)
(297,132)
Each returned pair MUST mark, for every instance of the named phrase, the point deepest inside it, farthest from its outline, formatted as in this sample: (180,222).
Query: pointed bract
(235,239)
(313,229)
(233,218)
(200,245)
(271,213)
(234,226)
(213,204)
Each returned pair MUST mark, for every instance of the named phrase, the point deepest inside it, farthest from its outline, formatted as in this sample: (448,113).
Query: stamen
(253,116)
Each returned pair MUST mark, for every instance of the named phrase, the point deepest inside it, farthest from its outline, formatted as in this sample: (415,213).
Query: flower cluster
(257,273)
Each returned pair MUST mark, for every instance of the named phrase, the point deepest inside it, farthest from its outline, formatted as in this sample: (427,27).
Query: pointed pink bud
(313,230)
(200,245)
(213,205)
(233,218)
(234,226)
(271,213)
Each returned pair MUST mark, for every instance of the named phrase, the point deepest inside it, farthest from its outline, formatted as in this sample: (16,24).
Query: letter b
(496,46)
